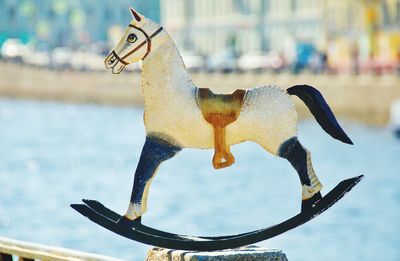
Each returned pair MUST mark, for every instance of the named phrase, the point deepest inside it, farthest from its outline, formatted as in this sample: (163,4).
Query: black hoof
(311,201)
(129,223)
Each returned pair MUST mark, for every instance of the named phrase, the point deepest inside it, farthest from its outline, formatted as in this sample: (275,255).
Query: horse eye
(132,38)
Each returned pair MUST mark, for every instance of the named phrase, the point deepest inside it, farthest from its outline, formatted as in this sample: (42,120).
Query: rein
(148,41)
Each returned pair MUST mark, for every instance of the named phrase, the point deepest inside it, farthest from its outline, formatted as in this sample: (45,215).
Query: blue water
(52,155)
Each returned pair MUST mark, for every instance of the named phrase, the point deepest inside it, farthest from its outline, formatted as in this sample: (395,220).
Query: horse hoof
(128,222)
(309,202)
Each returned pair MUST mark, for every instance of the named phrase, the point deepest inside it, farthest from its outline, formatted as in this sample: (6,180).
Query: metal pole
(262,23)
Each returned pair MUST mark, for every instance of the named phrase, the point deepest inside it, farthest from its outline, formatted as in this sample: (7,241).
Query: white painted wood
(268,116)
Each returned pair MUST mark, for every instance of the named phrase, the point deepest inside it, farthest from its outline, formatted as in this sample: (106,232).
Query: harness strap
(148,41)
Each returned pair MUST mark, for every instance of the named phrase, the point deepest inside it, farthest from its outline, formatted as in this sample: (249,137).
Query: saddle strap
(222,154)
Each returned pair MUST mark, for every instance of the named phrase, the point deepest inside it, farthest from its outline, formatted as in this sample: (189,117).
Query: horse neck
(164,67)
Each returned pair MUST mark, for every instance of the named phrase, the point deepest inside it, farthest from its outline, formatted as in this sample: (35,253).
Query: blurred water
(55,154)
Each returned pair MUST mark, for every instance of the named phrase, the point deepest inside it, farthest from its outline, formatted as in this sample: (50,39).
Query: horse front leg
(154,152)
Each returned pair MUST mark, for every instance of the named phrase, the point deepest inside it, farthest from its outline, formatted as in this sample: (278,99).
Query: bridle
(148,41)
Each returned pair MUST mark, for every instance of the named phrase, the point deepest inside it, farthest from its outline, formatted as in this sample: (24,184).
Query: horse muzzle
(113,62)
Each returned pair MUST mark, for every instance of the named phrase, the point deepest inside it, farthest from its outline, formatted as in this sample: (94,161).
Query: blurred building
(209,25)
(363,34)
(352,26)
(344,35)
(67,22)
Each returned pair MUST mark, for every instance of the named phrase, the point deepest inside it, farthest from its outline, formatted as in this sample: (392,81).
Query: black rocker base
(108,219)
(311,201)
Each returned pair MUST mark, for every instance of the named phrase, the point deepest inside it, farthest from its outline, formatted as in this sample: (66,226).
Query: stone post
(247,253)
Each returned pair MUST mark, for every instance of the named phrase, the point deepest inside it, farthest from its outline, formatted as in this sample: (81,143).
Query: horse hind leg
(155,151)
(300,158)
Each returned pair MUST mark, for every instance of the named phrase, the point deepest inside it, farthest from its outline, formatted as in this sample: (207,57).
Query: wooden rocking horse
(180,115)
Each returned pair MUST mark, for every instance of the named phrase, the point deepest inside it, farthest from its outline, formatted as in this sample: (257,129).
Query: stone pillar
(247,253)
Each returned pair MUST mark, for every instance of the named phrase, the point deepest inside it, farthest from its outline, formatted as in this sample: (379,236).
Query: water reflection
(55,154)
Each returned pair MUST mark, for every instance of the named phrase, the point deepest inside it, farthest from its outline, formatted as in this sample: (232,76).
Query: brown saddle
(220,110)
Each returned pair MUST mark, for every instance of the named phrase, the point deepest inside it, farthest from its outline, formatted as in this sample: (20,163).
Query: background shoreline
(361,98)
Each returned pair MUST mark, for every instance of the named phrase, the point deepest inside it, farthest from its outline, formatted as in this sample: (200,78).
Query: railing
(25,251)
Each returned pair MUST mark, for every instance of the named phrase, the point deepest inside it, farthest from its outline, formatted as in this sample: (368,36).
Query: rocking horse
(178,115)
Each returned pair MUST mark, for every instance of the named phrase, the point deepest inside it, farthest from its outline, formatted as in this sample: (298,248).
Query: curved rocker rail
(100,208)
(106,218)
(28,252)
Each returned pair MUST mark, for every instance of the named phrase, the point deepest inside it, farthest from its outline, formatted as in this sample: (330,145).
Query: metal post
(262,23)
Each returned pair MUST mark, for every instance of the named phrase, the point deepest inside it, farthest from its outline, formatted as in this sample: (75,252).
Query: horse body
(174,119)
(267,116)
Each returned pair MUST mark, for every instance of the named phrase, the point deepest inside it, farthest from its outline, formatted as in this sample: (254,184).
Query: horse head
(135,44)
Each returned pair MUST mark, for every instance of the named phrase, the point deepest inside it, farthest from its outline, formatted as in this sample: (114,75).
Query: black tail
(321,111)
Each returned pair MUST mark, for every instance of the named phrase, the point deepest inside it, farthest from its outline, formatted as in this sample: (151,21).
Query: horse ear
(135,14)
